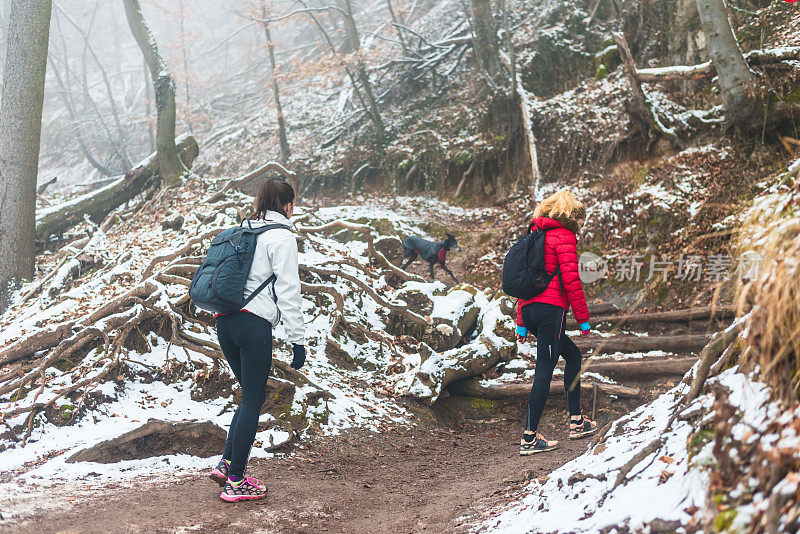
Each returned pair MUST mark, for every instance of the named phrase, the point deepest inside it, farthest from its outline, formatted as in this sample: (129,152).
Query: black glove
(299,352)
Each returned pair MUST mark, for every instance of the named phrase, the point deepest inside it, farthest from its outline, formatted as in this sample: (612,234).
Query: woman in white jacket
(246,337)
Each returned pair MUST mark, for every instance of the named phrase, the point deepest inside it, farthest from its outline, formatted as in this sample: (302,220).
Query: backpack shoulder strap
(274,226)
(259,289)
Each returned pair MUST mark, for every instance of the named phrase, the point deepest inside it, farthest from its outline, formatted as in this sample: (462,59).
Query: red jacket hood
(546,223)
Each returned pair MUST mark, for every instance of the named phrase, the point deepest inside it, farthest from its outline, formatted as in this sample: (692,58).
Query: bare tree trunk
(737,86)
(523,99)
(168,159)
(284,141)
(20,129)
(148,87)
(361,69)
(400,34)
(487,47)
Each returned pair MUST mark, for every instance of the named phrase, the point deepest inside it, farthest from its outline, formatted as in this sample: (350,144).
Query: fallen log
(637,369)
(234,183)
(672,316)
(704,70)
(472,387)
(639,107)
(606,345)
(99,203)
(602,308)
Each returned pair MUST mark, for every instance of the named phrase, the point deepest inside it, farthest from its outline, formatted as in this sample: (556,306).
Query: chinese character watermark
(686,267)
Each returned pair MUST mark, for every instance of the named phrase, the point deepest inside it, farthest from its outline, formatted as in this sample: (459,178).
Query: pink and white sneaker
(220,473)
(246,489)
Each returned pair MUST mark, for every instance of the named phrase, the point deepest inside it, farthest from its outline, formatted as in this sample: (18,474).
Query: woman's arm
(567,252)
(283,258)
(521,330)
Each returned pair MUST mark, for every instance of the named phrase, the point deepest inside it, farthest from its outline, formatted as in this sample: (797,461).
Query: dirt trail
(427,477)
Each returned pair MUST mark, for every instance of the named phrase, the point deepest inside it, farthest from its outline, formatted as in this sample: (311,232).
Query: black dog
(415,246)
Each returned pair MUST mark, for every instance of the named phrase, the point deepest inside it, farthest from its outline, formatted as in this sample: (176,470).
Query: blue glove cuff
(584,326)
(522,331)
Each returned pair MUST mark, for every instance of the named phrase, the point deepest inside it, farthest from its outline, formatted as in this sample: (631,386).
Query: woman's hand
(299,353)
(522,334)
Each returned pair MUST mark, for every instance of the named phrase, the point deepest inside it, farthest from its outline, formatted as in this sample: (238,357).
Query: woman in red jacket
(544,316)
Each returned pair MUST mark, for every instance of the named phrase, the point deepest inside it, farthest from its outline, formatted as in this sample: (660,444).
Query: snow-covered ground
(669,483)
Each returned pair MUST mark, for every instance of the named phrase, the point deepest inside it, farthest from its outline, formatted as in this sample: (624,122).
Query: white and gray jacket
(276,252)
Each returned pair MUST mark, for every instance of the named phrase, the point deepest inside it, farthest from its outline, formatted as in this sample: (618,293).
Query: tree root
(717,346)
(372,252)
(650,448)
(402,310)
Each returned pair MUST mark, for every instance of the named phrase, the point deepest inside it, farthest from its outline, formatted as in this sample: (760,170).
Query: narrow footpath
(426,477)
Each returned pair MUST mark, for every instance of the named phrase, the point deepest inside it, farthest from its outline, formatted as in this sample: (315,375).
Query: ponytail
(273,195)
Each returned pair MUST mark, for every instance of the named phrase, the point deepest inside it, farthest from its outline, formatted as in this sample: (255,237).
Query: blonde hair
(561,205)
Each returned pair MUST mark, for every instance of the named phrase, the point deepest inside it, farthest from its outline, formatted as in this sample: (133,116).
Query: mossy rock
(606,60)
(63,365)
(699,439)
(279,402)
(435,230)
(346,235)
(724,520)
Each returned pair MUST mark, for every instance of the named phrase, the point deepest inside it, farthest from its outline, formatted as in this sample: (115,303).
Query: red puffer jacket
(560,250)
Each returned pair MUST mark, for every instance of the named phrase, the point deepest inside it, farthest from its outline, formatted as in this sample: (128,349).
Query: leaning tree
(169,160)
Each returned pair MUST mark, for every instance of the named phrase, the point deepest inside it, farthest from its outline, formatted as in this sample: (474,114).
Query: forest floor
(432,475)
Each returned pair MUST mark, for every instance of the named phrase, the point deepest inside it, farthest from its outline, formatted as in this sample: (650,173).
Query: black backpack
(524,272)
(218,285)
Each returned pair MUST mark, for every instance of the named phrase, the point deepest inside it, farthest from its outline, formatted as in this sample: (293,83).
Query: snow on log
(623,343)
(97,204)
(635,369)
(672,316)
(704,70)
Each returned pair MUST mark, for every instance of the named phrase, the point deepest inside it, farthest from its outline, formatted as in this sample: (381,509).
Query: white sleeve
(283,258)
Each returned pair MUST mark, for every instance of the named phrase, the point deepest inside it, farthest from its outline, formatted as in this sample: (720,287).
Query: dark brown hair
(273,195)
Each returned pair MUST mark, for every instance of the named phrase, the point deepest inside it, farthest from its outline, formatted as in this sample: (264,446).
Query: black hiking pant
(246,341)
(548,322)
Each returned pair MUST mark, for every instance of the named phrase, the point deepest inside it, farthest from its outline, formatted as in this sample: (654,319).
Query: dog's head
(452,243)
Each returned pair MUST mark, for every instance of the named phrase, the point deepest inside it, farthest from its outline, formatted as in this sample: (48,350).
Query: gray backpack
(218,284)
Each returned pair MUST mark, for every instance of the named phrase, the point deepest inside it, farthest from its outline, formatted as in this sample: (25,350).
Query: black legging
(547,322)
(246,341)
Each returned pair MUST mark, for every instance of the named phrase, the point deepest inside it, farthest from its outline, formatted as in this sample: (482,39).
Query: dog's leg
(411,257)
(431,264)
(448,272)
